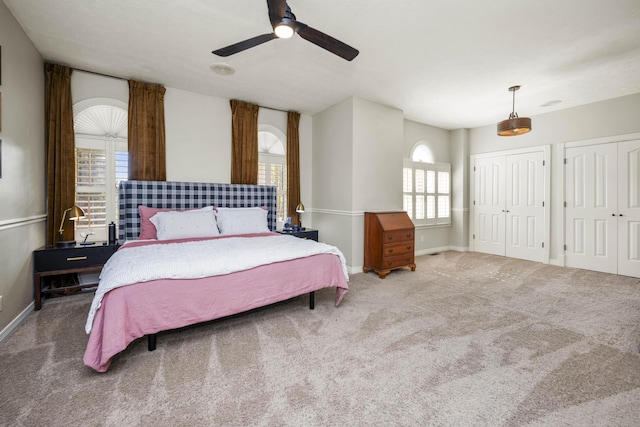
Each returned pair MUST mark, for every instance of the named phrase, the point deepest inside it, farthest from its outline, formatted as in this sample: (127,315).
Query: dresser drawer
(392,249)
(71,258)
(397,261)
(397,236)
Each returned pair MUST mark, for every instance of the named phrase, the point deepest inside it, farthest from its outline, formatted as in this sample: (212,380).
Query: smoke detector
(222,68)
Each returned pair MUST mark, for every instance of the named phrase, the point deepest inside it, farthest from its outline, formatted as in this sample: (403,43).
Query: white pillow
(186,224)
(242,220)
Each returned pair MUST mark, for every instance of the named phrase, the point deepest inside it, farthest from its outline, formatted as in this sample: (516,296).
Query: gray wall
(332,178)
(22,189)
(459,230)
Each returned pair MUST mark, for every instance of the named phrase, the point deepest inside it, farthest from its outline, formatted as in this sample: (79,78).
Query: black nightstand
(305,234)
(54,261)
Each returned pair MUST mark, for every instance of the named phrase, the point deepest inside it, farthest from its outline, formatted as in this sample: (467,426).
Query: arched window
(426,187)
(422,153)
(100,126)
(272,166)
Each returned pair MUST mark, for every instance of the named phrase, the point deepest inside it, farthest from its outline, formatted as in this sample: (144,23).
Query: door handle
(621,215)
(613,214)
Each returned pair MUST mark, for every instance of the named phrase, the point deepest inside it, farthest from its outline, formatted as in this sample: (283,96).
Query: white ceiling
(447,63)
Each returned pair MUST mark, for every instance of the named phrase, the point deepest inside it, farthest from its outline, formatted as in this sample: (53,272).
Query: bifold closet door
(591,215)
(489,197)
(629,208)
(508,210)
(524,206)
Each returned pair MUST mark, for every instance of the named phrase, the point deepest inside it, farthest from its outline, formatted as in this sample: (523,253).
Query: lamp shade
(514,126)
(75,213)
(300,208)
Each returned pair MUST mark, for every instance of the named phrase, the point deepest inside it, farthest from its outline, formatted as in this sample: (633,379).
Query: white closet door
(629,208)
(591,212)
(524,210)
(489,205)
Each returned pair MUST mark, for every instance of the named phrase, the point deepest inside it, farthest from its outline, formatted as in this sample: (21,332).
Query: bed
(179,278)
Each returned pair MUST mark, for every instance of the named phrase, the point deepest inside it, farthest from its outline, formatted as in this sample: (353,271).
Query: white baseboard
(459,248)
(15,322)
(354,270)
(558,262)
(440,249)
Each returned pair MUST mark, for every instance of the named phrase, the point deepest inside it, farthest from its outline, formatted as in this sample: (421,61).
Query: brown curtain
(293,165)
(147,152)
(244,142)
(61,171)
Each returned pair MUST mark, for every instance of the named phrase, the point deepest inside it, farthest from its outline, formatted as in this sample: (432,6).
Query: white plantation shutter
(278,178)
(444,188)
(101,163)
(272,169)
(91,192)
(426,192)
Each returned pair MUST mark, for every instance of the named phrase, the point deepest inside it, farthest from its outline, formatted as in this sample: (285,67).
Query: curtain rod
(274,109)
(98,74)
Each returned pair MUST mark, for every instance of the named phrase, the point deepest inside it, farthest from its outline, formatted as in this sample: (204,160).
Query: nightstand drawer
(71,258)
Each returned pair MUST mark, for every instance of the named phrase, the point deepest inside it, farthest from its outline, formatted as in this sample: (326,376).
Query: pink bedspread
(131,312)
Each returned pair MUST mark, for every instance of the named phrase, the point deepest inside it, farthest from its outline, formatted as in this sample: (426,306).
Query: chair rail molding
(19,222)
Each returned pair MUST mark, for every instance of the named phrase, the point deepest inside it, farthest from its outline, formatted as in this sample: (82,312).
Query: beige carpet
(467,340)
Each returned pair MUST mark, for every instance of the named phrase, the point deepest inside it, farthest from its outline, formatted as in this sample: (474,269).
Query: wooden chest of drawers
(389,242)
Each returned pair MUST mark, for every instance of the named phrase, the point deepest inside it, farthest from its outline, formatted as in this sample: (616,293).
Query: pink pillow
(147,229)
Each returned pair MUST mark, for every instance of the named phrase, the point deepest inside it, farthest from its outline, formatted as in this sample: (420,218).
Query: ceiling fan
(285,25)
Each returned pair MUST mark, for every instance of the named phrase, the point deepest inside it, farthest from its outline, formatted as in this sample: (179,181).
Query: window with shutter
(102,161)
(272,169)
(426,188)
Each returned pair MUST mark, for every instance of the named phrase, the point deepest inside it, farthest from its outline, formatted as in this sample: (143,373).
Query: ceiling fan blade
(277,9)
(327,42)
(244,45)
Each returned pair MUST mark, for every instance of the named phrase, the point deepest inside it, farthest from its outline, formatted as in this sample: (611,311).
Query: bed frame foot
(151,339)
(312,300)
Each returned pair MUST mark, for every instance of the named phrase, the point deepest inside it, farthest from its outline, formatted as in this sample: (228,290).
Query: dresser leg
(383,274)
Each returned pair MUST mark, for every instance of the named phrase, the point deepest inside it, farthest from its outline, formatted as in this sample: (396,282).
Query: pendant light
(514,125)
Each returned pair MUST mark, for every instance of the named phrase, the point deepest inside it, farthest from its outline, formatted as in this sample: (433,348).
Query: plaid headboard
(187,195)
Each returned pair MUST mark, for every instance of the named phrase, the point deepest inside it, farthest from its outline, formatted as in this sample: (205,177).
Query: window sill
(427,226)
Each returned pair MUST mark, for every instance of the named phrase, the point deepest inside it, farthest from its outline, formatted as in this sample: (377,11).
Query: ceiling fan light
(284,29)
(514,125)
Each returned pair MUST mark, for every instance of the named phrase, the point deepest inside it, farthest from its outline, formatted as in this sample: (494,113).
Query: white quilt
(215,257)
